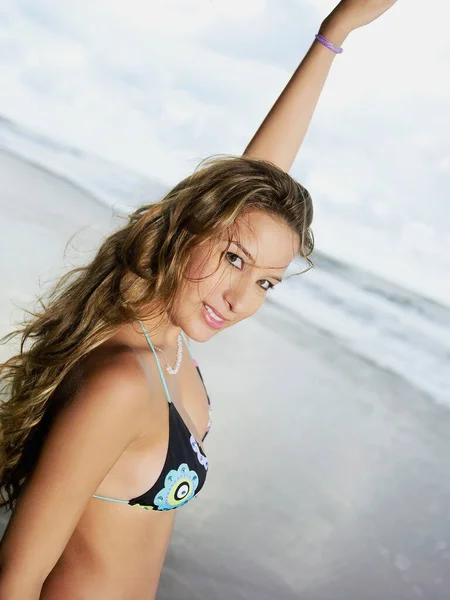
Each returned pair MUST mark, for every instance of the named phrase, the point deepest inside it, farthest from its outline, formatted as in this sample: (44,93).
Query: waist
(112,555)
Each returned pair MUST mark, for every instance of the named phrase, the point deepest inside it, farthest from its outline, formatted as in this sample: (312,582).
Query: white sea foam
(396,328)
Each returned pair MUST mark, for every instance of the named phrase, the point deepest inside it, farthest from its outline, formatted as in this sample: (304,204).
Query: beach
(328,474)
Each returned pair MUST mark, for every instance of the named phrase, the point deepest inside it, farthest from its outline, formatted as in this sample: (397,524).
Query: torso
(117,550)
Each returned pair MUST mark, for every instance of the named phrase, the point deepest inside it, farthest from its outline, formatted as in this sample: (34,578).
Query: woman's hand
(351,14)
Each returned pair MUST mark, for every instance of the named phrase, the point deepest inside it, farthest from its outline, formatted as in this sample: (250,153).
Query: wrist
(333,31)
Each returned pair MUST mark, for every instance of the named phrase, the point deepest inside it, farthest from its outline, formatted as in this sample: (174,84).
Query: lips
(220,315)
(210,320)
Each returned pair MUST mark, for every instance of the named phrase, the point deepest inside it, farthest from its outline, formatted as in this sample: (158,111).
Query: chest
(164,426)
(189,396)
(175,464)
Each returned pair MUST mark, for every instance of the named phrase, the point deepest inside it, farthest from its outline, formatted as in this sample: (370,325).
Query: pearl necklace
(176,368)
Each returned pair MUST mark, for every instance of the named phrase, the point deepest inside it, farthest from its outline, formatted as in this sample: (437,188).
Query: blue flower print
(179,488)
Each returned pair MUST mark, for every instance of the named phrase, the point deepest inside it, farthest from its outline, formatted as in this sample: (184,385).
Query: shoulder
(117,367)
(95,424)
(112,381)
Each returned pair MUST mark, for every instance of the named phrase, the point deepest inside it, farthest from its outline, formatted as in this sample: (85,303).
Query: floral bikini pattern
(181,483)
(179,488)
(201,457)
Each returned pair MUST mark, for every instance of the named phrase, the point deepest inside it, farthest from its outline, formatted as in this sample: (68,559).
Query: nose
(240,296)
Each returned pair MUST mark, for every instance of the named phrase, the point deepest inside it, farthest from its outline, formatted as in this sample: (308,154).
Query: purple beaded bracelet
(325,42)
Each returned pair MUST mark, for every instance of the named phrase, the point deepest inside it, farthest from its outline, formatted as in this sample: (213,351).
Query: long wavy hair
(137,269)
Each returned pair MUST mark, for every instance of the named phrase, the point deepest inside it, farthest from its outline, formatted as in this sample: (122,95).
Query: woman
(103,428)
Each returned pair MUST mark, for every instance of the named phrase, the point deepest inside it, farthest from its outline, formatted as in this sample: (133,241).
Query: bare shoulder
(100,420)
(112,376)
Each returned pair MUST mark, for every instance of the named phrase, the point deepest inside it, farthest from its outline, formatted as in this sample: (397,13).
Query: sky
(157,86)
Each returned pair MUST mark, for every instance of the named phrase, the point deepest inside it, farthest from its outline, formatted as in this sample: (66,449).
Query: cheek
(202,273)
(196,264)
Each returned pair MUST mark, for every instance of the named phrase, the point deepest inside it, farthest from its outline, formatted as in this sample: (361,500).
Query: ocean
(388,324)
(329,448)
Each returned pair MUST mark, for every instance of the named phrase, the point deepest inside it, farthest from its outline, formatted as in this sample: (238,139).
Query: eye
(270,286)
(231,257)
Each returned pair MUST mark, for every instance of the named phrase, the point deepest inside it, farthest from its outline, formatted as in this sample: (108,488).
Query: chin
(198,331)
(195,327)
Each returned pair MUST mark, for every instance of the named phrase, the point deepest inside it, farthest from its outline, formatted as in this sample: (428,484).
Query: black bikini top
(184,472)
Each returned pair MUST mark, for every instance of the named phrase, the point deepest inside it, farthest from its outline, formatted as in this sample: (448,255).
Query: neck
(162,332)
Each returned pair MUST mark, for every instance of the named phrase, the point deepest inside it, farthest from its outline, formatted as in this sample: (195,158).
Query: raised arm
(281,134)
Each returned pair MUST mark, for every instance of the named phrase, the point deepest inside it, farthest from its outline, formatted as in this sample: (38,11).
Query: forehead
(269,239)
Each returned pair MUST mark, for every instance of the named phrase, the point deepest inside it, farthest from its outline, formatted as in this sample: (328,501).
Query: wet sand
(328,476)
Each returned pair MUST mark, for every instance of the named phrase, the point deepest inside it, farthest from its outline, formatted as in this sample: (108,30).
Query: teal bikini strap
(161,374)
(111,499)
(147,337)
(167,395)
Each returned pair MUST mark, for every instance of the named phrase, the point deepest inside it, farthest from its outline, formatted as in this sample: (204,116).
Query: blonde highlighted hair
(137,269)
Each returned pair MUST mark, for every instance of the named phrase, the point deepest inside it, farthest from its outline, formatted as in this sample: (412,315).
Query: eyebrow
(247,253)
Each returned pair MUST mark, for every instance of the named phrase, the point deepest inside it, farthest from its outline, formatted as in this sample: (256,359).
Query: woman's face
(262,249)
